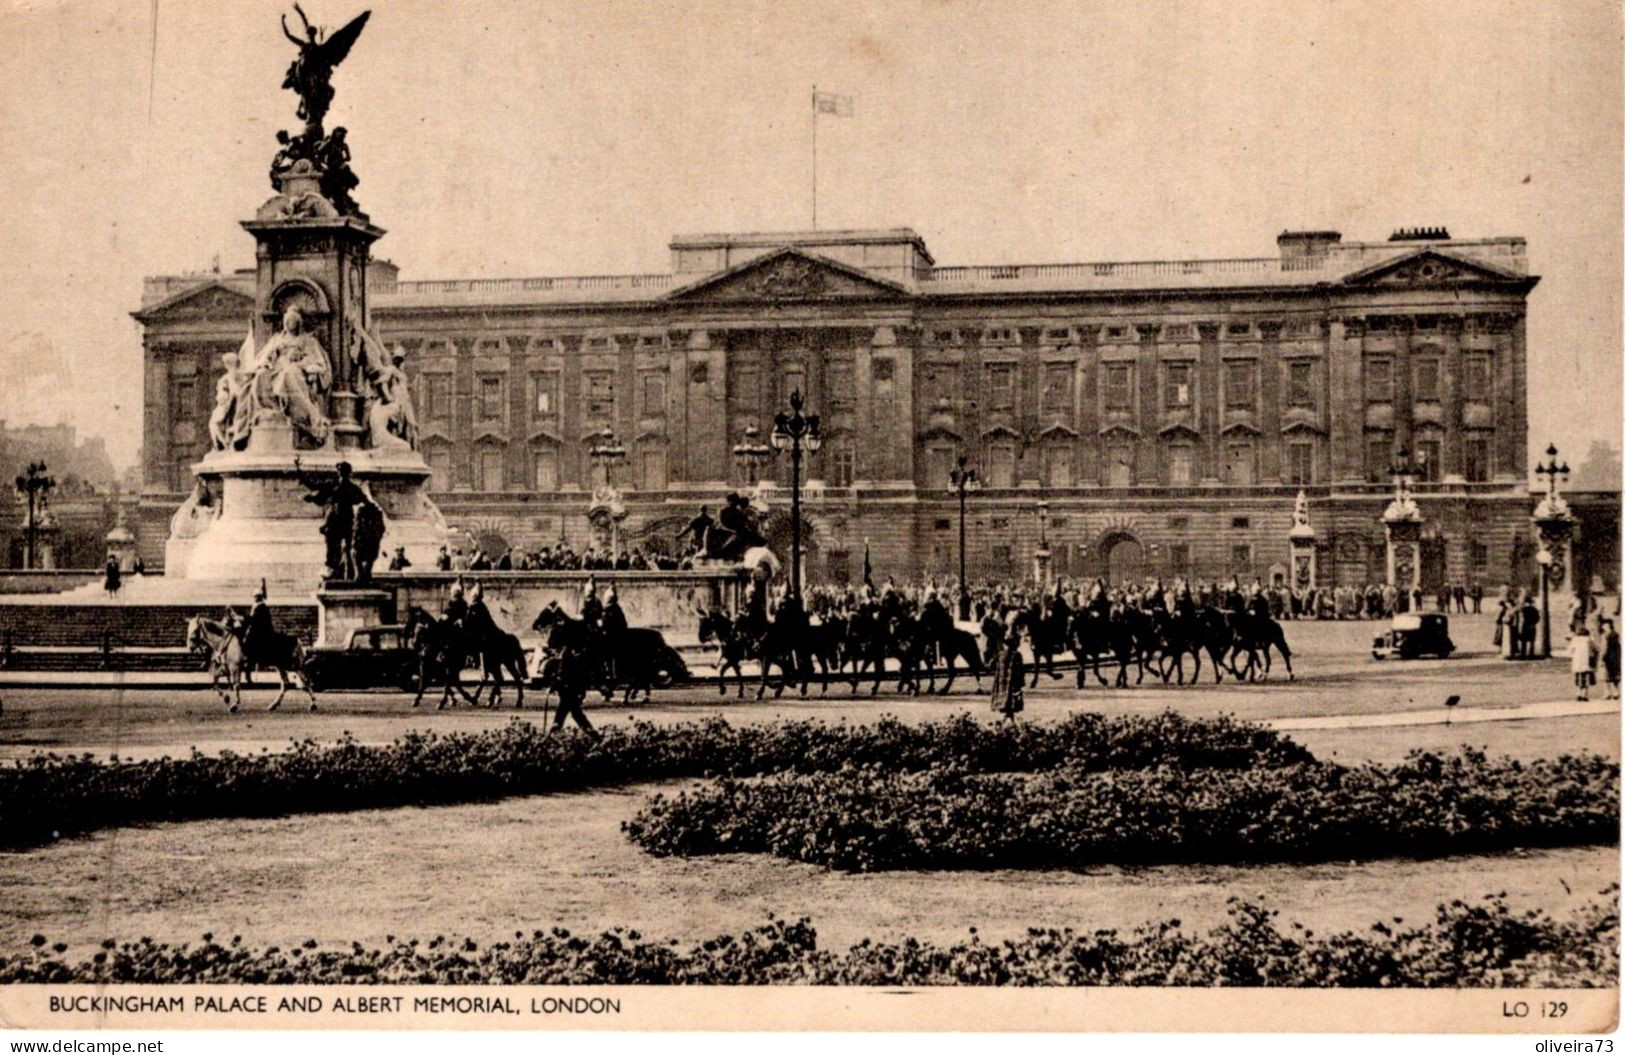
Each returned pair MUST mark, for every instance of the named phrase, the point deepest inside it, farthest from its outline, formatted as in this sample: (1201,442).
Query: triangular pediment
(212,300)
(1430,267)
(787,275)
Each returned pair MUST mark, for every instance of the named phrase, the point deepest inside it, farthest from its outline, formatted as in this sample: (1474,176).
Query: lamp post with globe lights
(1041,554)
(965,480)
(795,433)
(34,486)
(1554,526)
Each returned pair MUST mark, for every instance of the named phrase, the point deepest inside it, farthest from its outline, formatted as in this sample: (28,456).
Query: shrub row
(48,796)
(1465,945)
(872,819)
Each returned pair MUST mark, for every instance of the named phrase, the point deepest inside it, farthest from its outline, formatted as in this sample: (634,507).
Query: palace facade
(1165,413)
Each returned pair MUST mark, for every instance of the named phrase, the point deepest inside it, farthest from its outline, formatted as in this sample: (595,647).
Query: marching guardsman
(613,620)
(259,629)
(477,621)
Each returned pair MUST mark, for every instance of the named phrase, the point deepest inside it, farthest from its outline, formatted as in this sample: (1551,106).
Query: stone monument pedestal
(345,608)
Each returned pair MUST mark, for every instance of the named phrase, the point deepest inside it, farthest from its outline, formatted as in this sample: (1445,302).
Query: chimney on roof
(1420,234)
(1306,246)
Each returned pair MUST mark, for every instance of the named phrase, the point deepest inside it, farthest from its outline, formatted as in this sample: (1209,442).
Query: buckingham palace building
(1146,418)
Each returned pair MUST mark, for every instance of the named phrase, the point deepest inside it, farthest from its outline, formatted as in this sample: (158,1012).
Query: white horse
(226,660)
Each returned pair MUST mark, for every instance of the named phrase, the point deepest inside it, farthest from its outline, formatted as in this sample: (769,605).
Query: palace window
(1179,559)
(490,467)
(1300,462)
(1241,523)
(840,463)
(491,397)
(1379,457)
(1001,464)
(1430,460)
(794,379)
(654,394)
(652,469)
(1119,464)
(1238,329)
(437,397)
(1476,377)
(1379,380)
(1300,383)
(544,395)
(1241,559)
(439,459)
(1478,559)
(939,461)
(544,469)
(1001,387)
(1238,384)
(1057,400)
(699,373)
(600,395)
(1477,468)
(1427,379)
(1181,465)
(1119,386)
(840,385)
(1177,389)
(1238,462)
(1058,463)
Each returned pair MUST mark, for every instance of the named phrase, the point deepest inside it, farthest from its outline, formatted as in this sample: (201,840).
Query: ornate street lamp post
(1041,554)
(964,480)
(794,433)
(35,485)
(607,453)
(1554,525)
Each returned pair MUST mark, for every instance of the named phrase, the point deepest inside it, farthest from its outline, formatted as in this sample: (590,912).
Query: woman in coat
(1008,674)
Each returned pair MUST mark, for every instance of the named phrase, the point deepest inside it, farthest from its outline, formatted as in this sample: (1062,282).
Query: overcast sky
(536,137)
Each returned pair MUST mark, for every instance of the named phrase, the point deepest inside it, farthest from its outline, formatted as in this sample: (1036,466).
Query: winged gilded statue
(311,71)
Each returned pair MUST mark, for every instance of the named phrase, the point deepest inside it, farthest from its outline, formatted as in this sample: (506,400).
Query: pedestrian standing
(1583,663)
(1610,659)
(111,580)
(1009,673)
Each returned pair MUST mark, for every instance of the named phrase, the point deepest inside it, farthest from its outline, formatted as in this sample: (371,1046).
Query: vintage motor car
(373,657)
(1414,634)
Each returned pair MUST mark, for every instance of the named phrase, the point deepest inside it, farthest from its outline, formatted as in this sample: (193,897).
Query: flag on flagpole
(868,569)
(830,103)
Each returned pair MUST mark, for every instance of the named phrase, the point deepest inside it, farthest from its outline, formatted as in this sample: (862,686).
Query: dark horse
(1046,631)
(637,657)
(780,643)
(442,655)
(1256,634)
(1192,632)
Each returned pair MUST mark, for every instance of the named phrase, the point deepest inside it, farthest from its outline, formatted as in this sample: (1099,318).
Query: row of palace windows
(1477,456)
(1119,386)
(490,402)
(1427,378)
(486,467)
(1179,464)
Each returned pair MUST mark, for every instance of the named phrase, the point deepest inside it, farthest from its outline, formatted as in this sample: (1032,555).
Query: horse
(637,657)
(441,653)
(1047,635)
(286,654)
(499,651)
(1255,634)
(867,644)
(958,644)
(1118,635)
(1191,633)
(732,648)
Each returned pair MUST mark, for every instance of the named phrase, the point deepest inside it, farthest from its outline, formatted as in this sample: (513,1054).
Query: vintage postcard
(1030,516)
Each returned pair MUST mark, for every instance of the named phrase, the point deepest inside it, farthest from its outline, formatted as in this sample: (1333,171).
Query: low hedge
(1464,945)
(49,796)
(872,819)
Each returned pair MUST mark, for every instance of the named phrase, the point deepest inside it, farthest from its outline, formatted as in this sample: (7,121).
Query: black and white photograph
(1053,515)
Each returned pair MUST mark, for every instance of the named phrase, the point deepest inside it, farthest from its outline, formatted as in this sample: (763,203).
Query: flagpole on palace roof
(815,157)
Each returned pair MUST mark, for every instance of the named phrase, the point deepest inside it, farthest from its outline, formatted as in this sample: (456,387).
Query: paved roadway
(1336,678)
